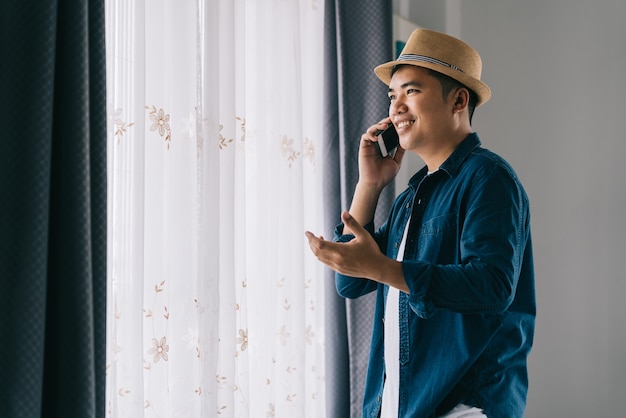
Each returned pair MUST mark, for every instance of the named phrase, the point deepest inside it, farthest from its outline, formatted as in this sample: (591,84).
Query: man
(452,265)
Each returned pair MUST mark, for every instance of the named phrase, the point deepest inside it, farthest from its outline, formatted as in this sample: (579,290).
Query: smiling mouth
(405,123)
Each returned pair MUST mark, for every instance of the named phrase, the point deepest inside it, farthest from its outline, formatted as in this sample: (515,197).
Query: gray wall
(557,70)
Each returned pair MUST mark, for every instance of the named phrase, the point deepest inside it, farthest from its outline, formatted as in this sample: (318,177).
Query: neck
(434,157)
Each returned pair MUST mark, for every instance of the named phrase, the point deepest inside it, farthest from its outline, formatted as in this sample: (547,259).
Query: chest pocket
(438,239)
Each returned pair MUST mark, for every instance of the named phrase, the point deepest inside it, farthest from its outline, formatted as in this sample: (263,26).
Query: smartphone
(388,141)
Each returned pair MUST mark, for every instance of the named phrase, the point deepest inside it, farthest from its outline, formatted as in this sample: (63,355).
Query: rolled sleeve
(418,288)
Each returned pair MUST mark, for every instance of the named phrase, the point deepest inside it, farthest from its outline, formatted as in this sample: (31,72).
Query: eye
(391,97)
(410,91)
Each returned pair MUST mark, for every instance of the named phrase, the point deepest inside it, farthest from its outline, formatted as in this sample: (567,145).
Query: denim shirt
(467,324)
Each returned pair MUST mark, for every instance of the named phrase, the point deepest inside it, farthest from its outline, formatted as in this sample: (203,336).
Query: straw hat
(444,54)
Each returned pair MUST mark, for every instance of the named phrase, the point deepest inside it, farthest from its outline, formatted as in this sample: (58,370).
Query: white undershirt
(391,342)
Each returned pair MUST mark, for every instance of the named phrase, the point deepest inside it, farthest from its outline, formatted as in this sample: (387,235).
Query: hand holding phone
(388,141)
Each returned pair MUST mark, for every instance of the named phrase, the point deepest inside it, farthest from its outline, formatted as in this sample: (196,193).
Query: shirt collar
(454,161)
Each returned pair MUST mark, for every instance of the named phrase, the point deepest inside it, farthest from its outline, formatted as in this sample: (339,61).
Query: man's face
(417,108)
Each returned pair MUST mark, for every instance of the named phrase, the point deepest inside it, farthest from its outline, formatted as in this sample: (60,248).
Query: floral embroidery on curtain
(120,127)
(160,123)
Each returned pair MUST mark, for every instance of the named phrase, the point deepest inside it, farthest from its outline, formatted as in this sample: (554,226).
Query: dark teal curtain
(358,37)
(53,209)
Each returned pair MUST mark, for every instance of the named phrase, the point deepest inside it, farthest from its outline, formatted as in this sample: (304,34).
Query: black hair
(449,84)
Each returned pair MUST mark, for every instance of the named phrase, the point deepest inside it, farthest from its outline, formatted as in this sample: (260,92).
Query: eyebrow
(407,84)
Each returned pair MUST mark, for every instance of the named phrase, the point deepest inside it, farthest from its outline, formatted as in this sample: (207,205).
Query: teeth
(405,123)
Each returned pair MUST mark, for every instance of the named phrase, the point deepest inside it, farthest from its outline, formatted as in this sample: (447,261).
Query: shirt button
(396,245)
(419,201)
(408,205)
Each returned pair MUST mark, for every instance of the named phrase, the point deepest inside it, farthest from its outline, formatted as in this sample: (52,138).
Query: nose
(397,106)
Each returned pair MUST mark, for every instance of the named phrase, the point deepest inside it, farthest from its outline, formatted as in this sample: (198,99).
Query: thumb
(352,224)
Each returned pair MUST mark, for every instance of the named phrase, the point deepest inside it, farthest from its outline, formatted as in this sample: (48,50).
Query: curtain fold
(53,224)
(358,38)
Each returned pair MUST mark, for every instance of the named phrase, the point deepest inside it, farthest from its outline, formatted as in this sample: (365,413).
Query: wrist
(368,193)
(364,203)
(390,272)
(372,188)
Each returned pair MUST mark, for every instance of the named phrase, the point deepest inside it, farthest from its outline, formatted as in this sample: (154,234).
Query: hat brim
(482,90)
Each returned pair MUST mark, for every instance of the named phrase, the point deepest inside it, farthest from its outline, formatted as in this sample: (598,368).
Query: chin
(405,143)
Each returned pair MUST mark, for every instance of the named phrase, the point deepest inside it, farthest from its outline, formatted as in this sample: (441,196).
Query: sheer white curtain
(215,306)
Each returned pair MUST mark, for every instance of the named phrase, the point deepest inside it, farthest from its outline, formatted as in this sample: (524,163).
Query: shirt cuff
(417,276)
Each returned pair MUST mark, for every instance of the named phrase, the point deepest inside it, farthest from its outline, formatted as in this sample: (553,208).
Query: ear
(461,99)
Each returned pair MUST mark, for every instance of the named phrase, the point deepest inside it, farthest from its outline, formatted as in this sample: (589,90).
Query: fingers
(313,240)
(315,243)
(351,258)
(371,132)
(324,251)
(399,154)
(380,126)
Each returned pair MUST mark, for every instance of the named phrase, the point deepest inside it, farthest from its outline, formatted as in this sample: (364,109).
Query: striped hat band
(423,58)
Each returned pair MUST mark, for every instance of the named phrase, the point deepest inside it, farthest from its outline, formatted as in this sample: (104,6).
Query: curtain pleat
(53,223)
(358,38)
